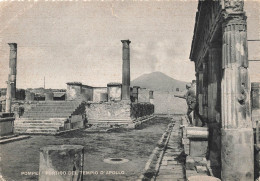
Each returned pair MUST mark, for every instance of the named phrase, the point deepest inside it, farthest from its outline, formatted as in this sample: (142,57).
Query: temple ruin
(117,104)
(220,54)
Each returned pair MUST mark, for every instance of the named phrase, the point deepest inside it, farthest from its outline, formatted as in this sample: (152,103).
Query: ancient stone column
(255,90)
(12,66)
(151,96)
(11,83)
(205,90)
(135,93)
(61,162)
(237,142)
(8,102)
(126,70)
(255,99)
(200,92)
(214,107)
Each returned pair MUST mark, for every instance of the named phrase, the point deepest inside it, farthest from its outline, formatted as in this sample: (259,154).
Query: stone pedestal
(6,126)
(195,141)
(61,162)
(237,154)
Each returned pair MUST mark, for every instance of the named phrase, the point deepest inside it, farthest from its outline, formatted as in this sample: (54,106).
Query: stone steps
(44,117)
(48,117)
(39,131)
(110,121)
(38,124)
(51,110)
(48,108)
(58,103)
(53,120)
(46,127)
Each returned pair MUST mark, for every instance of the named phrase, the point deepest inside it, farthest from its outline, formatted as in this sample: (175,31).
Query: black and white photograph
(129,90)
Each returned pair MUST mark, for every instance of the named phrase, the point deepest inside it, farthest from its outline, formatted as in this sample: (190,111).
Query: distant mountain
(158,81)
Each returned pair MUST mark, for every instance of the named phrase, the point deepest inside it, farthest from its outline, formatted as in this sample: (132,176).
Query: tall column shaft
(205,90)
(214,107)
(236,133)
(11,83)
(200,92)
(214,83)
(8,98)
(126,70)
(12,66)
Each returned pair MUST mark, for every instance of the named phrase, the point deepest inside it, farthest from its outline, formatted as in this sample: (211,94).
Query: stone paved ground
(21,158)
(172,166)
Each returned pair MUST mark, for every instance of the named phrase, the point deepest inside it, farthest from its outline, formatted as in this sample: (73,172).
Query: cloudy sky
(80,41)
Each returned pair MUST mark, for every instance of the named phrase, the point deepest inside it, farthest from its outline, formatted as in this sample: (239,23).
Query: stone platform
(51,117)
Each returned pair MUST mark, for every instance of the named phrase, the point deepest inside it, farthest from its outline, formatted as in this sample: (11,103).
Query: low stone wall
(6,126)
(141,109)
(117,111)
(107,111)
(195,144)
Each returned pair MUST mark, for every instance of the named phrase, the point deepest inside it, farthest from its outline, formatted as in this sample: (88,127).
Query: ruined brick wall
(73,91)
(116,110)
(97,93)
(108,110)
(87,93)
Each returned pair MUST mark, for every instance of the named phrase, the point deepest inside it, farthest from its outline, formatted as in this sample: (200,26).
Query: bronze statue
(192,104)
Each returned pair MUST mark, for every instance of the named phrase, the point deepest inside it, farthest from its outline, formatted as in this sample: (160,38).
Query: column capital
(126,43)
(233,6)
(13,46)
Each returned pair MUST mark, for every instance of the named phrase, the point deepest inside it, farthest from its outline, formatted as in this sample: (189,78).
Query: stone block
(198,148)
(6,126)
(190,164)
(191,173)
(187,149)
(185,141)
(201,169)
(202,178)
(61,162)
(200,161)
(197,132)
(237,155)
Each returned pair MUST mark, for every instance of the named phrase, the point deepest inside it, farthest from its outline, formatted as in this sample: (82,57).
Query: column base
(237,154)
